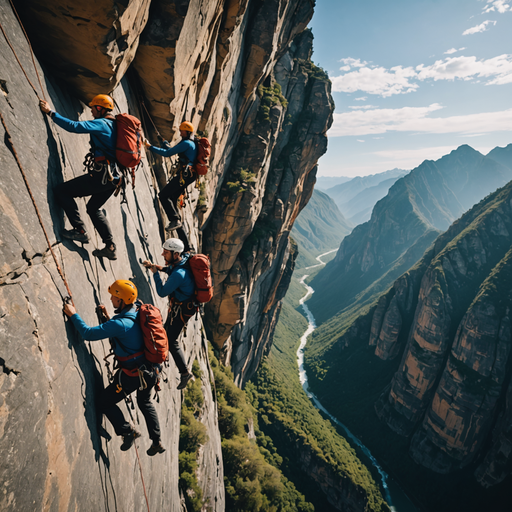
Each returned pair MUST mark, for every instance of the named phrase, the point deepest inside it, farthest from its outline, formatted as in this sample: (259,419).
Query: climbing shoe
(129,439)
(155,448)
(109,252)
(78,235)
(185,377)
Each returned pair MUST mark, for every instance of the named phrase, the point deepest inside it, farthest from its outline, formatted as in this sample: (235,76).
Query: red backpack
(203,156)
(129,140)
(156,346)
(200,266)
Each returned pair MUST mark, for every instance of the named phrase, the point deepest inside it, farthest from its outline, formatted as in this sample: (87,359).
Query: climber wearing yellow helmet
(135,371)
(102,175)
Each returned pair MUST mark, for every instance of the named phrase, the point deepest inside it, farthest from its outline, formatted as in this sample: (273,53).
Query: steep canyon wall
(239,70)
(445,324)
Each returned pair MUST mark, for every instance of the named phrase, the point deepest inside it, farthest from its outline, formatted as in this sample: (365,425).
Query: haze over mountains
(356,198)
(404,223)
(319,228)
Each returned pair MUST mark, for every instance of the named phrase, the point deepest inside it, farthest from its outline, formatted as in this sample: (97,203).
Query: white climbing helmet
(174,245)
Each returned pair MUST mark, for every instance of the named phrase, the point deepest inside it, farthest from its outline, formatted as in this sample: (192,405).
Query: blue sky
(413,80)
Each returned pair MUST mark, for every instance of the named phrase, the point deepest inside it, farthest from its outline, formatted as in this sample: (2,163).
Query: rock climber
(135,372)
(180,288)
(186,150)
(102,176)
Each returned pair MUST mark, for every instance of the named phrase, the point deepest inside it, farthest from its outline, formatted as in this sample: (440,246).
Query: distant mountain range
(324,183)
(357,197)
(404,223)
(319,227)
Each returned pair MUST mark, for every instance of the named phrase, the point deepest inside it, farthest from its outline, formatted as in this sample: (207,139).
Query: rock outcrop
(237,69)
(88,45)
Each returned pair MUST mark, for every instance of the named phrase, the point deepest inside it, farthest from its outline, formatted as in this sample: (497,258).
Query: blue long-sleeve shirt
(103,132)
(186,146)
(124,326)
(180,283)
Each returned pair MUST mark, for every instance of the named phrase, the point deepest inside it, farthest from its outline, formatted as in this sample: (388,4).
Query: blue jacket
(180,283)
(186,147)
(103,133)
(124,326)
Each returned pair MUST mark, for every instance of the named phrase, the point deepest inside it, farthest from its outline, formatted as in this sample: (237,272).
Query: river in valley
(393,494)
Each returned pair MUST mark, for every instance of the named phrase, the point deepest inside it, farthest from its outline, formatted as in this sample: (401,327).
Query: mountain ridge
(419,203)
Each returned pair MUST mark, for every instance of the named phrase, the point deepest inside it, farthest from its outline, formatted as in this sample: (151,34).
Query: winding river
(393,494)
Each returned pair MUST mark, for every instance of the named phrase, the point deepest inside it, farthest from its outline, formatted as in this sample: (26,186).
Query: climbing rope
(18,60)
(151,119)
(142,476)
(11,145)
(31,51)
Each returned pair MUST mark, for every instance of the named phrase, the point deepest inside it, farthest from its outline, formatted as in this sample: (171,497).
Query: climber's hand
(69,309)
(44,106)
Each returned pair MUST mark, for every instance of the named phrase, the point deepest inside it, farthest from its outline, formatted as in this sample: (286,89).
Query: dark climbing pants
(169,196)
(84,186)
(177,318)
(109,398)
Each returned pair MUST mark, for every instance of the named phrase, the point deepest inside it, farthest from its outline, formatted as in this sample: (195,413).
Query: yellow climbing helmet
(188,127)
(102,100)
(124,290)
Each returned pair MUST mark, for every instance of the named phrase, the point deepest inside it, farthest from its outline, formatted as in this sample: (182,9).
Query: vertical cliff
(239,70)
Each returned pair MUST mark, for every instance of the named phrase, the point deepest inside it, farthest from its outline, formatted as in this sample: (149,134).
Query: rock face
(404,224)
(241,71)
(448,318)
(89,45)
(247,235)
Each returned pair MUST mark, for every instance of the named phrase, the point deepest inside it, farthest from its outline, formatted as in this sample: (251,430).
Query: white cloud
(500,6)
(359,140)
(352,63)
(466,68)
(362,98)
(416,154)
(399,80)
(418,120)
(454,50)
(376,80)
(363,107)
(478,28)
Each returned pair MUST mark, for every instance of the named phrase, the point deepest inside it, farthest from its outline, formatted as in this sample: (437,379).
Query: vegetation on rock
(192,436)
(253,479)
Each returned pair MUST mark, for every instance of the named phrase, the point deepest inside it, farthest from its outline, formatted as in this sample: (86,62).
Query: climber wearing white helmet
(180,289)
